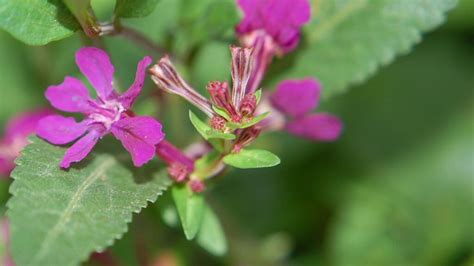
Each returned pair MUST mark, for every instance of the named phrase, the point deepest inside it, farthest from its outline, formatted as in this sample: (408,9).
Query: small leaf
(208,133)
(190,209)
(206,166)
(246,159)
(135,8)
(255,120)
(212,134)
(211,236)
(221,112)
(258,95)
(75,212)
(200,126)
(37,22)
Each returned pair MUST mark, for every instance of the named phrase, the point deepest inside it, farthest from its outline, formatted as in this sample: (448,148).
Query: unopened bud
(248,105)
(218,123)
(179,172)
(197,186)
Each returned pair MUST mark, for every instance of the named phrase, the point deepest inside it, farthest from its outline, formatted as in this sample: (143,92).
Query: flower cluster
(237,114)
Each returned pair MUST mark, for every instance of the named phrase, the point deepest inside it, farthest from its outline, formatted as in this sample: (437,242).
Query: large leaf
(414,211)
(37,22)
(135,8)
(58,217)
(349,40)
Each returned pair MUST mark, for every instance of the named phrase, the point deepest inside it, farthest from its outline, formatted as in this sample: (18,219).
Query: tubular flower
(15,138)
(271,27)
(109,113)
(180,165)
(292,102)
(236,103)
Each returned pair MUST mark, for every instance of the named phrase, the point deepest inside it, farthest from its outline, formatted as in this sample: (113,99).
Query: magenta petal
(69,96)
(132,93)
(319,127)
(282,19)
(296,97)
(24,124)
(139,135)
(96,66)
(60,130)
(80,149)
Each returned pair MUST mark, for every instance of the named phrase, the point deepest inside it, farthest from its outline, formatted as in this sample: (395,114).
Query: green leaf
(73,212)
(221,112)
(135,8)
(349,40)
(37,22)
(212,134)
(209,18)
(206,131)
(246,159)
(190,209)
(200,126)
(258,95)
(255,120)
(211,236)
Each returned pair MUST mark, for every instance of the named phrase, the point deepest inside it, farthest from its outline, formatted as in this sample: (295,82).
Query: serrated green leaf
(211,236)
(135,8)
(190,209)
(349,40)
(59,217)
(255,120)
(37,22)
(246,159)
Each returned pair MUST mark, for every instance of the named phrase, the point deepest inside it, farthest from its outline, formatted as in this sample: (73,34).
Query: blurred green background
(396,189)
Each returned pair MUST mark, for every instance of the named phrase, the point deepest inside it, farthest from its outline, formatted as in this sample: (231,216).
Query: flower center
(107,113)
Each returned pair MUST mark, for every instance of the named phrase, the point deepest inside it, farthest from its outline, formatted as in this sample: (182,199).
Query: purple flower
(280,19)
(179,165)
(15,138)
(109,113)
(293,100)
(270,27)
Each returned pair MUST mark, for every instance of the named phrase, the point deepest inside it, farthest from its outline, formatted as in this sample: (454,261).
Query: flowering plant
(223,88)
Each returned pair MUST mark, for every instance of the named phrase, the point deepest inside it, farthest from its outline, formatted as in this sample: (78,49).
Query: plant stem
(140,39)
